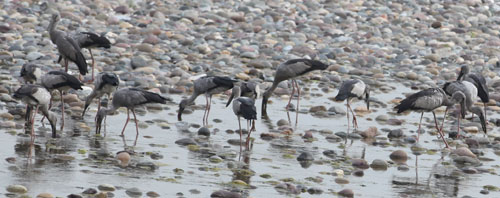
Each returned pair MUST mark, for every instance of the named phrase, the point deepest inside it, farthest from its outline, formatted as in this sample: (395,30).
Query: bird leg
(291,96)
(50,106)
(485,107)
(459,118)
(419,125)
(206,109)
(33,127)
(440,132)
(354,120)
(209,106)
(92,57)
(248,134)
(126,122)
(136,125)
(298,99)
(62,110)
(66,65)
(348,125)
(241,140)
(99,104)
(444,118)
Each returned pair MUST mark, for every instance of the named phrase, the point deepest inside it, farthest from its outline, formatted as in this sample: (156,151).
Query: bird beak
(367,100)
(463,111)
(460,75)
(53,126)
(98,122)
(179,115)
(264,106)
(483,123)
(230,99)
(85,109)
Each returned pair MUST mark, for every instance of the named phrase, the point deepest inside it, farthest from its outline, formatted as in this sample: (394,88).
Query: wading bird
(38,97)
(129,98)
(479,82)
(61,81)
(91,40)
(207,85)
(351,89)
(290,70)
(244,107)
(247,89)
(105,84)
(426,101)
(68,48)
(30,73)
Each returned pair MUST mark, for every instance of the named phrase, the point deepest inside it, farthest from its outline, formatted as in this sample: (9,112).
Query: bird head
(55,17)
(182,106)
(464,70)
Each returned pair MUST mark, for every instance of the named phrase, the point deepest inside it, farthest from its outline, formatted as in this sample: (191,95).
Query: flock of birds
(38,88)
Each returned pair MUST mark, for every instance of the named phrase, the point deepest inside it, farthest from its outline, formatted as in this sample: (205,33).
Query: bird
(244,107)
(207,85)
(30,73)
(91,40)
(61,81)
(38,97)
(479,82)
(426,101)
(290,70)
(470,92)
(351,89)
(68,48)
(247,89)
(105,84)
(128,98)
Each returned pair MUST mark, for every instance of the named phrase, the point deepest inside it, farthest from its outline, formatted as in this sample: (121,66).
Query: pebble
(186,141)
(463,151)
(379,164)
(346,193)
(305,156)
(152,194)
(106,187)
(90,191)
(225,194)
(282,122)
(134,192)
(360,163)
(17,189)
(399,156)
(369,133)
(45,195)
(204,131)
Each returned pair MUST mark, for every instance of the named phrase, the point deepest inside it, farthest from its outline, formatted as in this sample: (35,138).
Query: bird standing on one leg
(426,101)
(91,40)
(351,89)
(207,85)
(128,98)
(105,84)
(289,70)
(68,48)
(61,81)
(244,107)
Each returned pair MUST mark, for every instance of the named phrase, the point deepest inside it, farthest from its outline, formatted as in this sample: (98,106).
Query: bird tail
(249,112)
(341,97)
(81,63)
(403,106)
(154,97)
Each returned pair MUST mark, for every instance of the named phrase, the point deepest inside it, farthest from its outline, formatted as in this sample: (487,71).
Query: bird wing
(138,96)
(26,90)
(351,88)
(427,99)
(480,82)
(70,49)
(57,79)
(213,84)
(297,67)
(246,108)
(109,79)
(89,39)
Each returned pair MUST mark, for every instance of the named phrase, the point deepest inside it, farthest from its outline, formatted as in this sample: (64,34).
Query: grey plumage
(479,82)
(244,107)
(207,85)
(68,48)
(105,84)
(128,98)
(38,97)
(248,89)
(350,89)
(91,40)
(31,73)
(289,70)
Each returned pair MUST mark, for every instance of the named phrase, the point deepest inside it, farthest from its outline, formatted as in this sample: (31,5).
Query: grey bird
(479,82)
(91,40)
(105,84)
(247,89)
(68,48)
(353,89)
(470,92)
(207,85)
(244,107)
(39,98)
(61,81)
(30,73)
(129,98)
(289,70)
(426,101)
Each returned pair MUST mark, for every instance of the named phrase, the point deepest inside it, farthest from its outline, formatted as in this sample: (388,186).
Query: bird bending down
(105,84)
(68,48)
(91,40)
(426,101)
(351,89)
(63,82)
(289,70)
(38,97)
(479,82)
(207,85)
(128,98)
(244,107)
(30,73)
(470,93)
(247,89)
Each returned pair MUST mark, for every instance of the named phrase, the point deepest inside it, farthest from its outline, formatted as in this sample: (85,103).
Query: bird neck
(52,25)
(191,99)
(269,91)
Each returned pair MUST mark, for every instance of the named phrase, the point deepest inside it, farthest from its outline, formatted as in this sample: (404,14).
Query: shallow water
(50,172)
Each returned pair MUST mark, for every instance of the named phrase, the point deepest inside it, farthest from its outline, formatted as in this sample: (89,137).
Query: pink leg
(241,134)
(419,126)
(50,106)
(92,57)
(62,111)
(348,124)
(206,110)
(33,127)
(209,106)
(99,105)
(459,118)
(440,132)
(354,120)
(136,125)
(298,100)
(444,119)
(126,122)
(291,96)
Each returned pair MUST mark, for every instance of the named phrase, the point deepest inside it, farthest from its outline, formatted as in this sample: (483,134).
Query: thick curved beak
(264,107)
(85,109)
(460,75)
(230,99)
(98,122)
(463,111)
(53,126)
(483,123)
(179,115)
(367,100)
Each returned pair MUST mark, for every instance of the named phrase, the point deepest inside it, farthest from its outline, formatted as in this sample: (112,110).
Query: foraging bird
(351,89)
(105,83)
(426,101)
(61,81)
(479,82)
(91,40)
(38,97)
(31,73)
(470,92)
(207,85)
(289,70)
(68,48)
(128,98)
(244,107)
(247,89)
